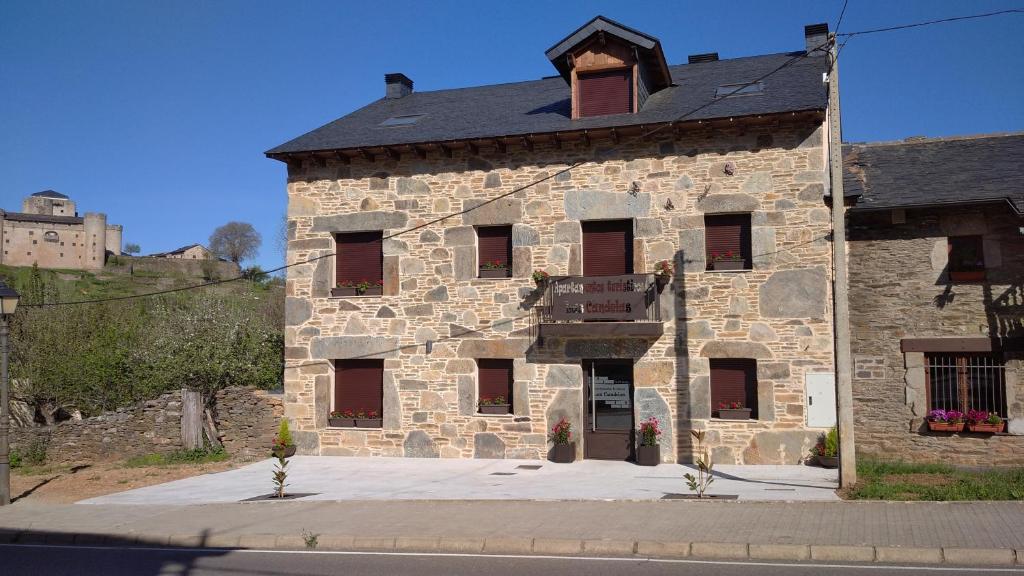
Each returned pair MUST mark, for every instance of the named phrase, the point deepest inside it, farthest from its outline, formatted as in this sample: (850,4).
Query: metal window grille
(966,382)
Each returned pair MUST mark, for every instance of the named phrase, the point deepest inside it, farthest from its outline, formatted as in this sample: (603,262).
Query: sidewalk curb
(539,546)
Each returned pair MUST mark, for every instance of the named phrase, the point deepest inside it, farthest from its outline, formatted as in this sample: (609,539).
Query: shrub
(15,459)
(284,434)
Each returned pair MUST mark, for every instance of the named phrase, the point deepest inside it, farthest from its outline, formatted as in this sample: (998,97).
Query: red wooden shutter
(734,380)
(724,233)
(360,256)
(607,247)
(495,379)
(603,93)
(359,385)
(495,244)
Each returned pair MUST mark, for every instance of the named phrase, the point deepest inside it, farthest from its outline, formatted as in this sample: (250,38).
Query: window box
(344,291)
(729,265)
(369,422)
(945,426)
(967,275)
(734,413)
(986,428)
(340,422)
(495,409)
(495,273)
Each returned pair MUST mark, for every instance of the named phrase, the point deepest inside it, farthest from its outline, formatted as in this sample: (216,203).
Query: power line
(930,22)
(568,168)
(842,13)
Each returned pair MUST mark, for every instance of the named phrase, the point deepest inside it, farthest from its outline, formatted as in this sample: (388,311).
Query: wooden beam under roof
(366,154)
(392,153)
(342,157)
(420,152)
(473,148)
(446,150)
(499,145)
(527,142)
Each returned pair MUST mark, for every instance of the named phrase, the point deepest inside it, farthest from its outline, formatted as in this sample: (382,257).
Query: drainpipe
(840,282)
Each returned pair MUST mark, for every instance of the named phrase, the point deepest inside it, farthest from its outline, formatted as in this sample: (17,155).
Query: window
(494,246)
(966,382)
(359,387)
(608,92)
(745,89)
(359,264)
(407,120)
(494,379)
(607,247)
(966,258)
(733,385)
(50,237)
(727,241)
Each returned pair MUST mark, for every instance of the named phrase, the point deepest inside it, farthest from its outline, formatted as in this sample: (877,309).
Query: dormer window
(609,92)
(611,68)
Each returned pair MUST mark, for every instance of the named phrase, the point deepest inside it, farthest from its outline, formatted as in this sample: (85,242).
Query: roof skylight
(727,90)
(407,120)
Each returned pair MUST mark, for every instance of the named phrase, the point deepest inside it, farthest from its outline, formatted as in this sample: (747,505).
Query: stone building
(417,225)
(49,232)
(936,258)
(190,252)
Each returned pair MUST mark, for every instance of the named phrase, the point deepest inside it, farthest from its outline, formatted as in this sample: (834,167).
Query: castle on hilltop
(50,233)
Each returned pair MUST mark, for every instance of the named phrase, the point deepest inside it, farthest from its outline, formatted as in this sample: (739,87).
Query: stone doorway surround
(915,377)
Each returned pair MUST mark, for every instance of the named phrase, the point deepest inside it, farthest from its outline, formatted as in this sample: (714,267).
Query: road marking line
(982,569)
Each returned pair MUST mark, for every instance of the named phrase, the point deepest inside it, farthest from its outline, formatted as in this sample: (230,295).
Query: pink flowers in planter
(650,431)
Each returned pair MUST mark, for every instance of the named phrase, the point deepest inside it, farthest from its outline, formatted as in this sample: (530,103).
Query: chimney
(696,58)
(398,85)
(816,39)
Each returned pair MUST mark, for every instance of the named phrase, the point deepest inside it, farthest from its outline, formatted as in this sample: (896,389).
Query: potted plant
(342,419)
(563,449)
(284,446)
(727,261)
(540,277)
(494,405)
(984,422)
(368,419)
(362,288)
(733,411)
(827,449)
(945,421)
(648,453)
(663,273)
(494,269)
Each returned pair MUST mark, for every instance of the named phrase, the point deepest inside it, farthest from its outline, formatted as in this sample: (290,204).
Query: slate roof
(935,172)
(543,106)
(51,194)
(26,217)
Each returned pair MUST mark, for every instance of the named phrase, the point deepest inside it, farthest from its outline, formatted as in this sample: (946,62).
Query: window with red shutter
(359,257)
(727,241)
(359,386)
(494,377)
(966,258)
(607,247)
(601,93)
(494,244)
(733,381)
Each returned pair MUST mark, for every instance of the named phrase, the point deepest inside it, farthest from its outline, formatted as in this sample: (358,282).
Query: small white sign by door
(821,399)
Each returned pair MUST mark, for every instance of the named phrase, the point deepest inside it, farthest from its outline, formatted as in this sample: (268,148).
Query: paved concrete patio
(346,478)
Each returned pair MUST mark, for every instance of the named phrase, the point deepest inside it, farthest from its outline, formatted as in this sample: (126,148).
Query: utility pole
(840,286)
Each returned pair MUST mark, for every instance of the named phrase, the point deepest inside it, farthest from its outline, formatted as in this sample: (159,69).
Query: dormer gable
(611,68)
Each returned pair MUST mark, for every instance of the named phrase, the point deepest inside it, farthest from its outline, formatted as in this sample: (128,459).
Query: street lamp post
(8,302)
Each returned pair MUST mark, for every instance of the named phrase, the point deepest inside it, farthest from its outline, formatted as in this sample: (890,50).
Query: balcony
(625,306)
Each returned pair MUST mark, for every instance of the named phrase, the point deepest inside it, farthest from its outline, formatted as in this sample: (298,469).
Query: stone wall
(900,288)
(198,269)
(246,418)
(779,313)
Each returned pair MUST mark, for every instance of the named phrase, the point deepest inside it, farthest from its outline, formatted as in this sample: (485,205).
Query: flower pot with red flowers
(648,453)
(733,411)
(495,269)
(827,449)
(563,449)
(663,273)
(728,261)
(368,419)
(495,405)
(984,422)
(342,419)
(362,288)
(945,421)
(540,277)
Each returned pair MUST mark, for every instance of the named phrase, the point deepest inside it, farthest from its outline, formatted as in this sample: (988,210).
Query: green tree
(131,248)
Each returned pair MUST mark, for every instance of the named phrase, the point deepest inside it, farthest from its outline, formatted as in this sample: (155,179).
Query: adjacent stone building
(190,252)
(936,257)
(49,232)
(416,223)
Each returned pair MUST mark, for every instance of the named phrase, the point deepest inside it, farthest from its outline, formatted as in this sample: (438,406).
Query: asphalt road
(17,560)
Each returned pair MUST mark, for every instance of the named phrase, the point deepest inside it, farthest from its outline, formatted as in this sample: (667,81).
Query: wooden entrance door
(609,428)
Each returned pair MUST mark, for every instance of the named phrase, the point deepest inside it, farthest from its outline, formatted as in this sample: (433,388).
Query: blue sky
(158,113)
